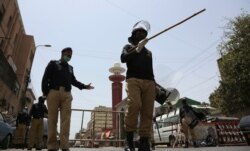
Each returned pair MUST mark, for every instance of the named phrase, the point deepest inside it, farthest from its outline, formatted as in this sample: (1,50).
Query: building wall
(99,121)
(24,63)
(30,94)
(18,49)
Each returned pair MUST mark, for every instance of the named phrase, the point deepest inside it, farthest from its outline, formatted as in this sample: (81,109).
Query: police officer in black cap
(57,82)
(22,125)
(189,120)
(37,113)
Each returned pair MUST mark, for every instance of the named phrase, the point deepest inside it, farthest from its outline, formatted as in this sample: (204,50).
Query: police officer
(22,125)
(189,121)
(140,87)
(56,85)
(38,112)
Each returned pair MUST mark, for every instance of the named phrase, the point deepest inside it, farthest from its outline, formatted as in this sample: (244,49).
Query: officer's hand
(141,45)
(89,86)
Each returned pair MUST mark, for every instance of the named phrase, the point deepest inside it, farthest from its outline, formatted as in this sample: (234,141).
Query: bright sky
(184,57)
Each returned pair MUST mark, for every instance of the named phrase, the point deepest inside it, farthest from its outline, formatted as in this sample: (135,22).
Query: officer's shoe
(129,149)
(129,142)
(153,147)
(21,146)
(65,150)
(129,146)
(38,148)
(195,144)
(29,148)
(16,146)
(186,145)
(144,144)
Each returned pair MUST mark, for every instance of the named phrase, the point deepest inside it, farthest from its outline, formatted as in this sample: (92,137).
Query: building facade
(100,121)
(17,51)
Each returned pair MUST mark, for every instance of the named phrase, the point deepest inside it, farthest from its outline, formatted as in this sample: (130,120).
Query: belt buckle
(62,88)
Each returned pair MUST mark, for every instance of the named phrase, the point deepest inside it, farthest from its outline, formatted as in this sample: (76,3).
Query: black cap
(67,49)
(41,99)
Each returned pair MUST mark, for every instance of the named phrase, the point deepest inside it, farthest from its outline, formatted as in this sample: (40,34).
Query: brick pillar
(116,79)
(116,93)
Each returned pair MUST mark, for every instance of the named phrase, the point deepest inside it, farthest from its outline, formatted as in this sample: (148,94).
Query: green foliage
(233,94)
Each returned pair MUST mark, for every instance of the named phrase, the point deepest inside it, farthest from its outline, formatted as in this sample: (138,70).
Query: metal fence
(96,134)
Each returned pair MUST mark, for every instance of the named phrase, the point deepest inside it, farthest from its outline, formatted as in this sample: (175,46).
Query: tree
(233,94)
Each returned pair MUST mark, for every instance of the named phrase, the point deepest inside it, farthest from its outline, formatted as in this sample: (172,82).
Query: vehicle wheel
(6,142)
(171,141)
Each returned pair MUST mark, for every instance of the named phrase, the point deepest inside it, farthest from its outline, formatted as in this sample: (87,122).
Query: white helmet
(141,25)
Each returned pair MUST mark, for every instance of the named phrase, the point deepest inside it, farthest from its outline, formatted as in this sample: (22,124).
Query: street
(229,148)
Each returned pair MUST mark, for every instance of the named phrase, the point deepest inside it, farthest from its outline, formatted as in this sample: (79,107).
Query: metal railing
(93,137)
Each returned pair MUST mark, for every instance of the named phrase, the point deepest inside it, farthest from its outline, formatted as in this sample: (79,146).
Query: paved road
(230,148)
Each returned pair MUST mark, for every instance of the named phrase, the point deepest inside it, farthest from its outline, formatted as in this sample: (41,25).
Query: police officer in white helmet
(140,87)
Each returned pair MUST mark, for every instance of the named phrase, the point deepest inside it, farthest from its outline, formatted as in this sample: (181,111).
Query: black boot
(16,146)
(22,146)
(144,144)
(130,142)
(195,144)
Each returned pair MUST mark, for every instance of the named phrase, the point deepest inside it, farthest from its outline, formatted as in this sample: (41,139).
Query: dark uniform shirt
(139,65)
(38,110)
(187,111)
(59,74)
(184,109)
(23,118)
